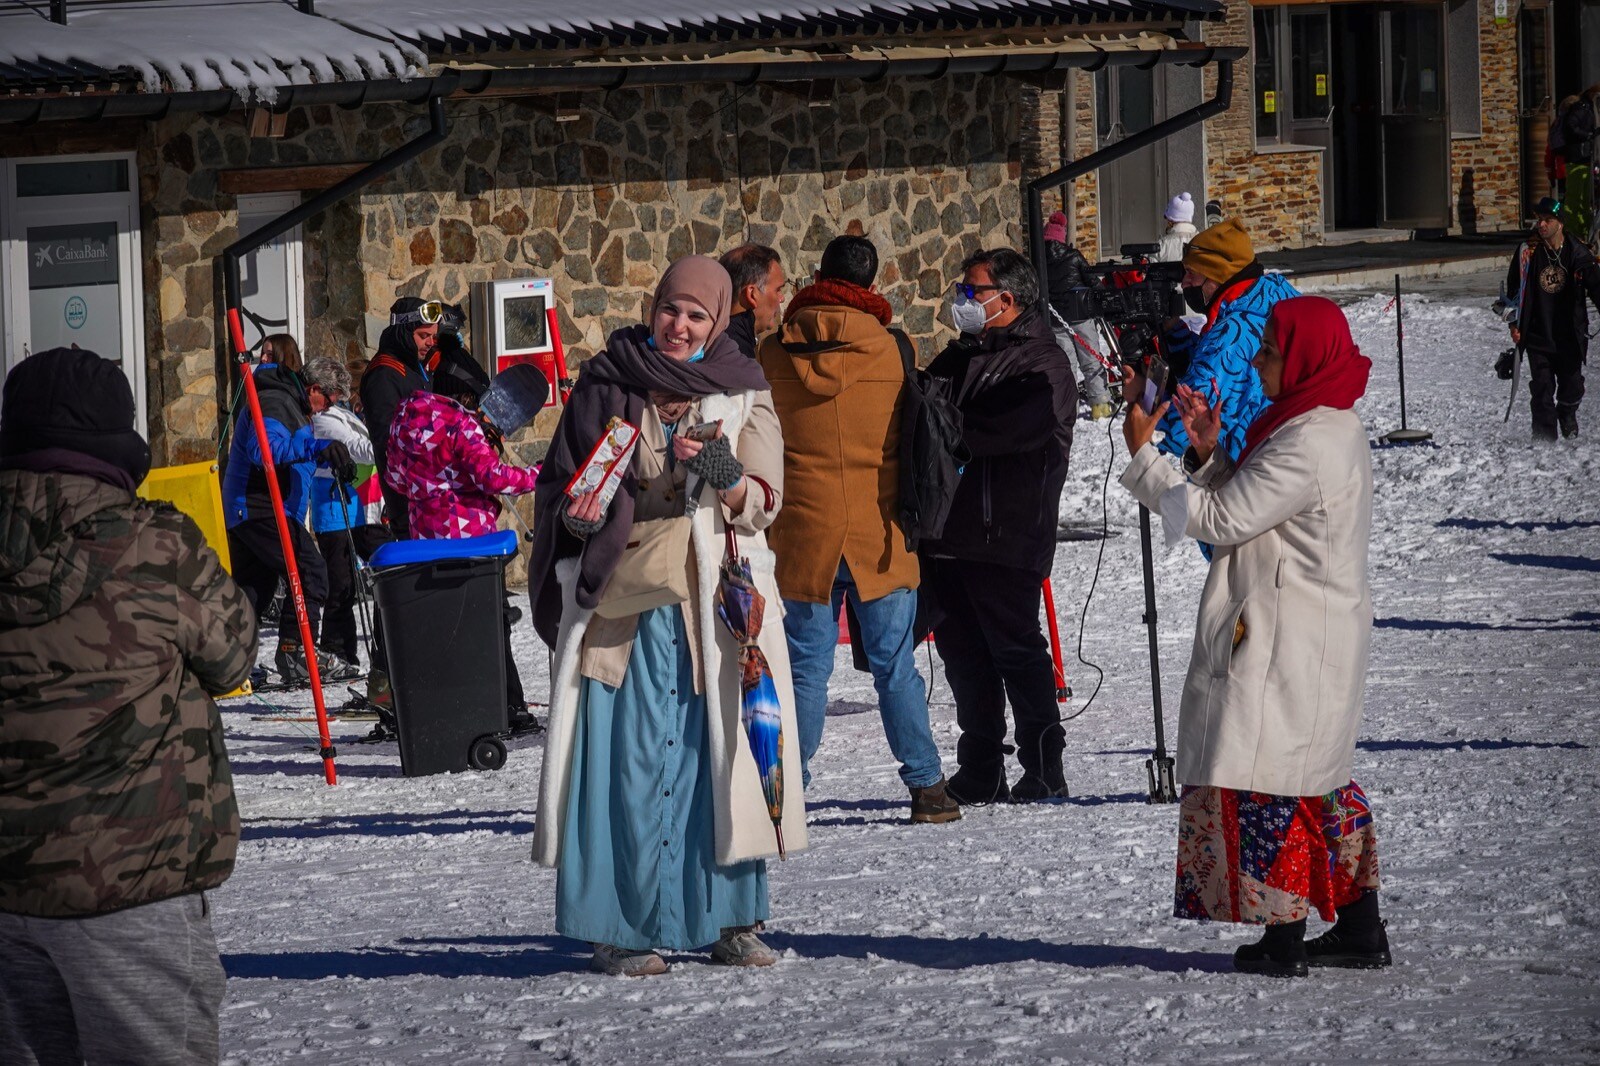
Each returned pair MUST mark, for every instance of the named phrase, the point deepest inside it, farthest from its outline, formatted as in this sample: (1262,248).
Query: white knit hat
(1179,209)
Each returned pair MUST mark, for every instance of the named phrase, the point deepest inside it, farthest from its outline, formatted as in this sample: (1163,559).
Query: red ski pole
(1063,690)
(296,594)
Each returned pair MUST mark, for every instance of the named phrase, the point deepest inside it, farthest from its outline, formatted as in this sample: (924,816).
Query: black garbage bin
(442,603)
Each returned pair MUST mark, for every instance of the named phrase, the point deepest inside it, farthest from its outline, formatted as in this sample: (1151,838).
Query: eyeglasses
(428,314)
(971,291)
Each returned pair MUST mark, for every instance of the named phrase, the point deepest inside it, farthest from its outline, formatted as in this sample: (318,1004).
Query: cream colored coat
(743,828)
(1278,711)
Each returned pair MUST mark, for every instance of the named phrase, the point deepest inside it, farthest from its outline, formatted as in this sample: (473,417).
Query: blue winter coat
(1223,353)
(287,413)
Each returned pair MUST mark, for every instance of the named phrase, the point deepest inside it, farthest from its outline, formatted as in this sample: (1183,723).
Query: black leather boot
(1280,953)
(1359,940)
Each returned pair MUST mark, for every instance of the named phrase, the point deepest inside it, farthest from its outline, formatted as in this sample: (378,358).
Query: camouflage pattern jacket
(117,625)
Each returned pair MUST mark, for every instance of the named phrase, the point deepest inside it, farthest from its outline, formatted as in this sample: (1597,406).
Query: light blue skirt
(638,860)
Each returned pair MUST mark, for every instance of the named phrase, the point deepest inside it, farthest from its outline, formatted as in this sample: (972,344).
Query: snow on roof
(251,46)
(255,47)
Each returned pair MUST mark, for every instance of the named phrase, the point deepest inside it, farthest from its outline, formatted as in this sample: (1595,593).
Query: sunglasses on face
(971,291)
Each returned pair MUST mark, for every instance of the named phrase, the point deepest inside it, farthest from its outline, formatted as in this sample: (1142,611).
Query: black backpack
(932,453)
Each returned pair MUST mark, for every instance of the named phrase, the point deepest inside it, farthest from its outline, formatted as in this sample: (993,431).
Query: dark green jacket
(117,625)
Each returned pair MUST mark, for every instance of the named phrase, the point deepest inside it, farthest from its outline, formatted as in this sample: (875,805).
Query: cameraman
(1066,268)
(1223,281)
(1018,403)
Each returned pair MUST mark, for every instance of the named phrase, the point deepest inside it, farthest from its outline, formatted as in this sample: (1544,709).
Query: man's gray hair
(1010,272)
(329,375)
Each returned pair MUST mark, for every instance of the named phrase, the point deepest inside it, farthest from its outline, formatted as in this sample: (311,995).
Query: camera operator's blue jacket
(287,414)
(1222,352)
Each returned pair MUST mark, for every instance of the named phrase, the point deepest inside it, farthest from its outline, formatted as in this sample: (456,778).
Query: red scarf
(1322,367)
(832,292)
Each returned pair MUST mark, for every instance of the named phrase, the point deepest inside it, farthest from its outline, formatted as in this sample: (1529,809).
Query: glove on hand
(717,465)
(581,527)
(336,457)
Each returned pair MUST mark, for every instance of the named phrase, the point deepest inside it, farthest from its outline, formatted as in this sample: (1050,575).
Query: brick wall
(1486,171)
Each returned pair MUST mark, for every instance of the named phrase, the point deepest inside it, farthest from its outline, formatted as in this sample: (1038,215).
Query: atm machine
(514,321)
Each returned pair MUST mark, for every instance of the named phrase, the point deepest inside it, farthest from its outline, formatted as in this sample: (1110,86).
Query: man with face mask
(1223,281)
(1018,402)
(400,368)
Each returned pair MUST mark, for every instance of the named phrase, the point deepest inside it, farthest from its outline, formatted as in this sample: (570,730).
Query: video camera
(1133,297)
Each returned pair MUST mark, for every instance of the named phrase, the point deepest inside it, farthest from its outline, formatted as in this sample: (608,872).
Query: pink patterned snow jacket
(441,462)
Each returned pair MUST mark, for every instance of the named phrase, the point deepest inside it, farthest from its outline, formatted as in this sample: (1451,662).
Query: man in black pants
(1548,278)
(1018,403)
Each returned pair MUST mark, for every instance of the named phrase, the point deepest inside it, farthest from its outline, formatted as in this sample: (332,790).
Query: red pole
(563,382)
(269,468)
(1063,692)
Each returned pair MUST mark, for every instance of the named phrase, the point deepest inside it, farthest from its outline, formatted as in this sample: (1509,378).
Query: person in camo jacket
(117,627)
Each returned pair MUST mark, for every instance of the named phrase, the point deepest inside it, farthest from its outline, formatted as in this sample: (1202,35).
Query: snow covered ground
(399,921)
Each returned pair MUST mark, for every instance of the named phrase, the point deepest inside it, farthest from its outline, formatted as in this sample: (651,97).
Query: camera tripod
(1160,767)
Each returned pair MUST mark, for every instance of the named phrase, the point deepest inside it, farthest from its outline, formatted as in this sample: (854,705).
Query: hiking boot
(739,946)
(933,803)
(1567,417)
(1280,953)
(523,722)
(1100,412)
(973,788)
(621,962)
(1032,788)
(1347,952)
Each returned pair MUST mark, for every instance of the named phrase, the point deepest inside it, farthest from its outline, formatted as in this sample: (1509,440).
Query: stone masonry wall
(928,170)
(1486,171)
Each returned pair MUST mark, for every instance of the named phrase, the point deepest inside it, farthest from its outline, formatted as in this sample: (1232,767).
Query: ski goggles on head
(427,314)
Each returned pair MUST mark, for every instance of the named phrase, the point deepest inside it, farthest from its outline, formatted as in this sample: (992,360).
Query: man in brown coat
(836,373)
(117,813)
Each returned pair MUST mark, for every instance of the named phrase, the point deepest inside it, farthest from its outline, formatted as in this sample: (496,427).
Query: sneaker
(740,946)
(933,804)
(1032,788)
(1100,412)
(620,962)
(1568,420)
(1269,960)
(973,789)
(1348,952)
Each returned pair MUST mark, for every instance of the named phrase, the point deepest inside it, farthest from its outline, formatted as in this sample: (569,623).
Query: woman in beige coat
(1271,825)
(650,807)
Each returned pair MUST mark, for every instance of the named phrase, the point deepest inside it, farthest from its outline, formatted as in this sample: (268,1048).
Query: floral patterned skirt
(1261,859)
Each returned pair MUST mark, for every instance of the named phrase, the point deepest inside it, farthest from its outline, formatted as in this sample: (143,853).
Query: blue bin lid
(411,552)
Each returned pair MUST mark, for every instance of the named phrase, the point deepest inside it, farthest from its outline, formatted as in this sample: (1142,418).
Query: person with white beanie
(1180,230)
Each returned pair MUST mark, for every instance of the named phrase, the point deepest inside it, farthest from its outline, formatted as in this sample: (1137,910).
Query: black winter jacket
(1555,322)
(1066,266)
(1018,403)
(382,388)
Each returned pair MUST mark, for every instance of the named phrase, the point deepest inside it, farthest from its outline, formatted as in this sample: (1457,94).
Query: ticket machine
(514,321)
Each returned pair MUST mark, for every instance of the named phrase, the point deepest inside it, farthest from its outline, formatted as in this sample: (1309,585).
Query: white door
(69,261)
(271,282)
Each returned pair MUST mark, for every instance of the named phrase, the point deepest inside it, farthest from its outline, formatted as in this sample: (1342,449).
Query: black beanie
(72,398)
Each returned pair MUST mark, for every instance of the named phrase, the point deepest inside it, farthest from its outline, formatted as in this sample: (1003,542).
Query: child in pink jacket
(441,461)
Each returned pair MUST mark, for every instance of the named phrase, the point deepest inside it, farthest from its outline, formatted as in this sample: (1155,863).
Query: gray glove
(717,465)
(581,527)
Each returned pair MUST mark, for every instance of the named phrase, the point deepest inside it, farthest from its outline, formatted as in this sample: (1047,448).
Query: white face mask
(968,315)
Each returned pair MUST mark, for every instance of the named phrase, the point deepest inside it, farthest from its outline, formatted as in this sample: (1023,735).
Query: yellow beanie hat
(1219,252)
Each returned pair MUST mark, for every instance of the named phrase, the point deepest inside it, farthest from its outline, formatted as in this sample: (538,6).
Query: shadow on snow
(442,823)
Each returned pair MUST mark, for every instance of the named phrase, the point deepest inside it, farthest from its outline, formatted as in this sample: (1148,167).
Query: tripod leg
(1160,765)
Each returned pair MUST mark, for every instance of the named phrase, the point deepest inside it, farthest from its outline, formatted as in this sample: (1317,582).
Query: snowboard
(515,397)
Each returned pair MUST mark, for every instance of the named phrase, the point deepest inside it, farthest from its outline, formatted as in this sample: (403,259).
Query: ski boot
(291,663)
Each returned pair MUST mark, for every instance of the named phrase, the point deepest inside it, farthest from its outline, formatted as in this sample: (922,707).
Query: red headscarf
(1322,367)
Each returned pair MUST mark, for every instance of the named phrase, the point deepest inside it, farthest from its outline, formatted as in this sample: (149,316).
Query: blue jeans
(886,633)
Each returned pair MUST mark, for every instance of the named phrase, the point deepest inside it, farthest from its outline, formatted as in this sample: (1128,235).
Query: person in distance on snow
(1549,276)
(1273,699)
(651,808)
(118,626)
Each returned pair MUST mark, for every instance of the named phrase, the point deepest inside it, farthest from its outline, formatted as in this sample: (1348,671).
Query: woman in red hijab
(1271,824)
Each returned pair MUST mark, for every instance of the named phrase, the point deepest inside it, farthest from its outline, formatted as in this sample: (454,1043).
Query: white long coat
(743,828)
(1277,712)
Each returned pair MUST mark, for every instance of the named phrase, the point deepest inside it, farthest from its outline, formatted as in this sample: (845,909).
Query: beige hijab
(700,280)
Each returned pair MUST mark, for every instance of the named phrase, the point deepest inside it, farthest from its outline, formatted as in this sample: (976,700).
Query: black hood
(397,341)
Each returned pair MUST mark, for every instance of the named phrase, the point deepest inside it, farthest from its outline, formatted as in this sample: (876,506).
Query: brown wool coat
(836,379)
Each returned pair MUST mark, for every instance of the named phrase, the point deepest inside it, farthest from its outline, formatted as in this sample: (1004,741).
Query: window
(1268,28)
(1461,63)
(271,287)
(1310,68)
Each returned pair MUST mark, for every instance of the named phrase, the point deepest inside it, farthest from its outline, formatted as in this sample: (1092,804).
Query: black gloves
(717,465)
(336,457)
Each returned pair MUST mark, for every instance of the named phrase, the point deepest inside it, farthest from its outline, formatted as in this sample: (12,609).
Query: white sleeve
(329,425)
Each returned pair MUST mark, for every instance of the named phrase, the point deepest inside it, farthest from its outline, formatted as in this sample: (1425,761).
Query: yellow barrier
(195,490)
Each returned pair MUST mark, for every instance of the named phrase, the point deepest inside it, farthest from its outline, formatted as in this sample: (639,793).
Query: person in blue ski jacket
(253,544)
(1223,281)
